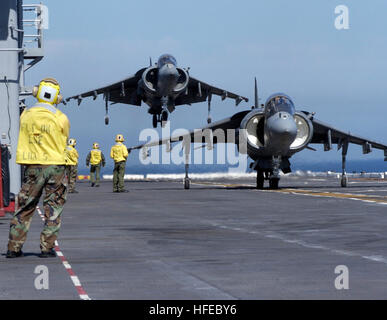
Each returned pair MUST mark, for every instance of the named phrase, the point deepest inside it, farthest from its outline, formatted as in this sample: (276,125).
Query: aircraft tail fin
(256,101)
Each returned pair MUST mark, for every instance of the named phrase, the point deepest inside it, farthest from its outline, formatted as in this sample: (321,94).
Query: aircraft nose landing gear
(162,118)
(274,183)
(275,175)
(155,120)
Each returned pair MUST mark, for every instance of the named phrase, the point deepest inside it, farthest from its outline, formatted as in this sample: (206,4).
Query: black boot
(48,254)
(14,254)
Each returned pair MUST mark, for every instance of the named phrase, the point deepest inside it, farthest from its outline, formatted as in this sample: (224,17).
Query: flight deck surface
(222,239)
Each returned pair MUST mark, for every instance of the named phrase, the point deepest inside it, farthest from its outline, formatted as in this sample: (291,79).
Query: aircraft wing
(124,91)
(326,134)
(198,91)
(227,123)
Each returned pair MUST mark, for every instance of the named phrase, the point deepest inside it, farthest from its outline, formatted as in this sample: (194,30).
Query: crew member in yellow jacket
(95,159)
(43,135)
(119,153)
(72,164)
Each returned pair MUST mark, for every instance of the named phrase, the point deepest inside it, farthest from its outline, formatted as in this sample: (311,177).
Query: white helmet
(72,142)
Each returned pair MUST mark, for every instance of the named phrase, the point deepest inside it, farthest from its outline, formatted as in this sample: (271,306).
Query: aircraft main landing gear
(344,178)
(344,181)
(186,183)
(107,96)
(260,179)
(187,180)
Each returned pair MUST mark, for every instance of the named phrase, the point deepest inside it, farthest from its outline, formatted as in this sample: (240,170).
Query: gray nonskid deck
(218,240)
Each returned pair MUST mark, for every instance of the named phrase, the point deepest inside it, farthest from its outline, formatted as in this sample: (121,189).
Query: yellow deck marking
(229,185)
(337,195)
(362,197)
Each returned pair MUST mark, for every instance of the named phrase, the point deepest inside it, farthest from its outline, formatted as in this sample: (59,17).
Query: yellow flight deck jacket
(95,157)
(119,152)
(71,156)
(43,136)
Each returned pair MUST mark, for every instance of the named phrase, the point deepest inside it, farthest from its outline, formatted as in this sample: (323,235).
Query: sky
(290,46)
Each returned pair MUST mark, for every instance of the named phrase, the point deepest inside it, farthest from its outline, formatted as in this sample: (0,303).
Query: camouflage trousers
(53,180)
(72,173)
(95,174)
(118,176)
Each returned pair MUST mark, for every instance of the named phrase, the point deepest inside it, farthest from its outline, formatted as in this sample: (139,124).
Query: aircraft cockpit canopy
(166,59)
(279,103)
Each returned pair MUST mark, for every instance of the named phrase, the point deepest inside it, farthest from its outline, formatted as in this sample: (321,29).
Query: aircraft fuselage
(162,84)
(274,133)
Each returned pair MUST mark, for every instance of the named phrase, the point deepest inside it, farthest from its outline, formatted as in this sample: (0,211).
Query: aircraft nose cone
(168,76)
(169,71)
(282,128)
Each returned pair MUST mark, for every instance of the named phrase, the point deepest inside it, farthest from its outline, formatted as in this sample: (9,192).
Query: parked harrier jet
(162,87)
(273,133)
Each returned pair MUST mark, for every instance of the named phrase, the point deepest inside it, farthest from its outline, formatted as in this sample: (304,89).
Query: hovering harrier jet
(272,133)
(162,87)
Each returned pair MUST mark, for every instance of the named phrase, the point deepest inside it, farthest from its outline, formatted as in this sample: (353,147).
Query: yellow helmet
(72,142)
(48,91)
(120,138)
(95,145)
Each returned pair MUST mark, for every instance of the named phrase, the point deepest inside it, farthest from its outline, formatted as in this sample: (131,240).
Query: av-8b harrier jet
(272,134)
(162,87)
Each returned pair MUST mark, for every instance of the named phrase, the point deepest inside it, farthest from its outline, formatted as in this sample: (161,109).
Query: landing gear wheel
(154,121)
(106,120)
(186,183)
(274,183)
(260,180)
(344,181)
(164,116)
